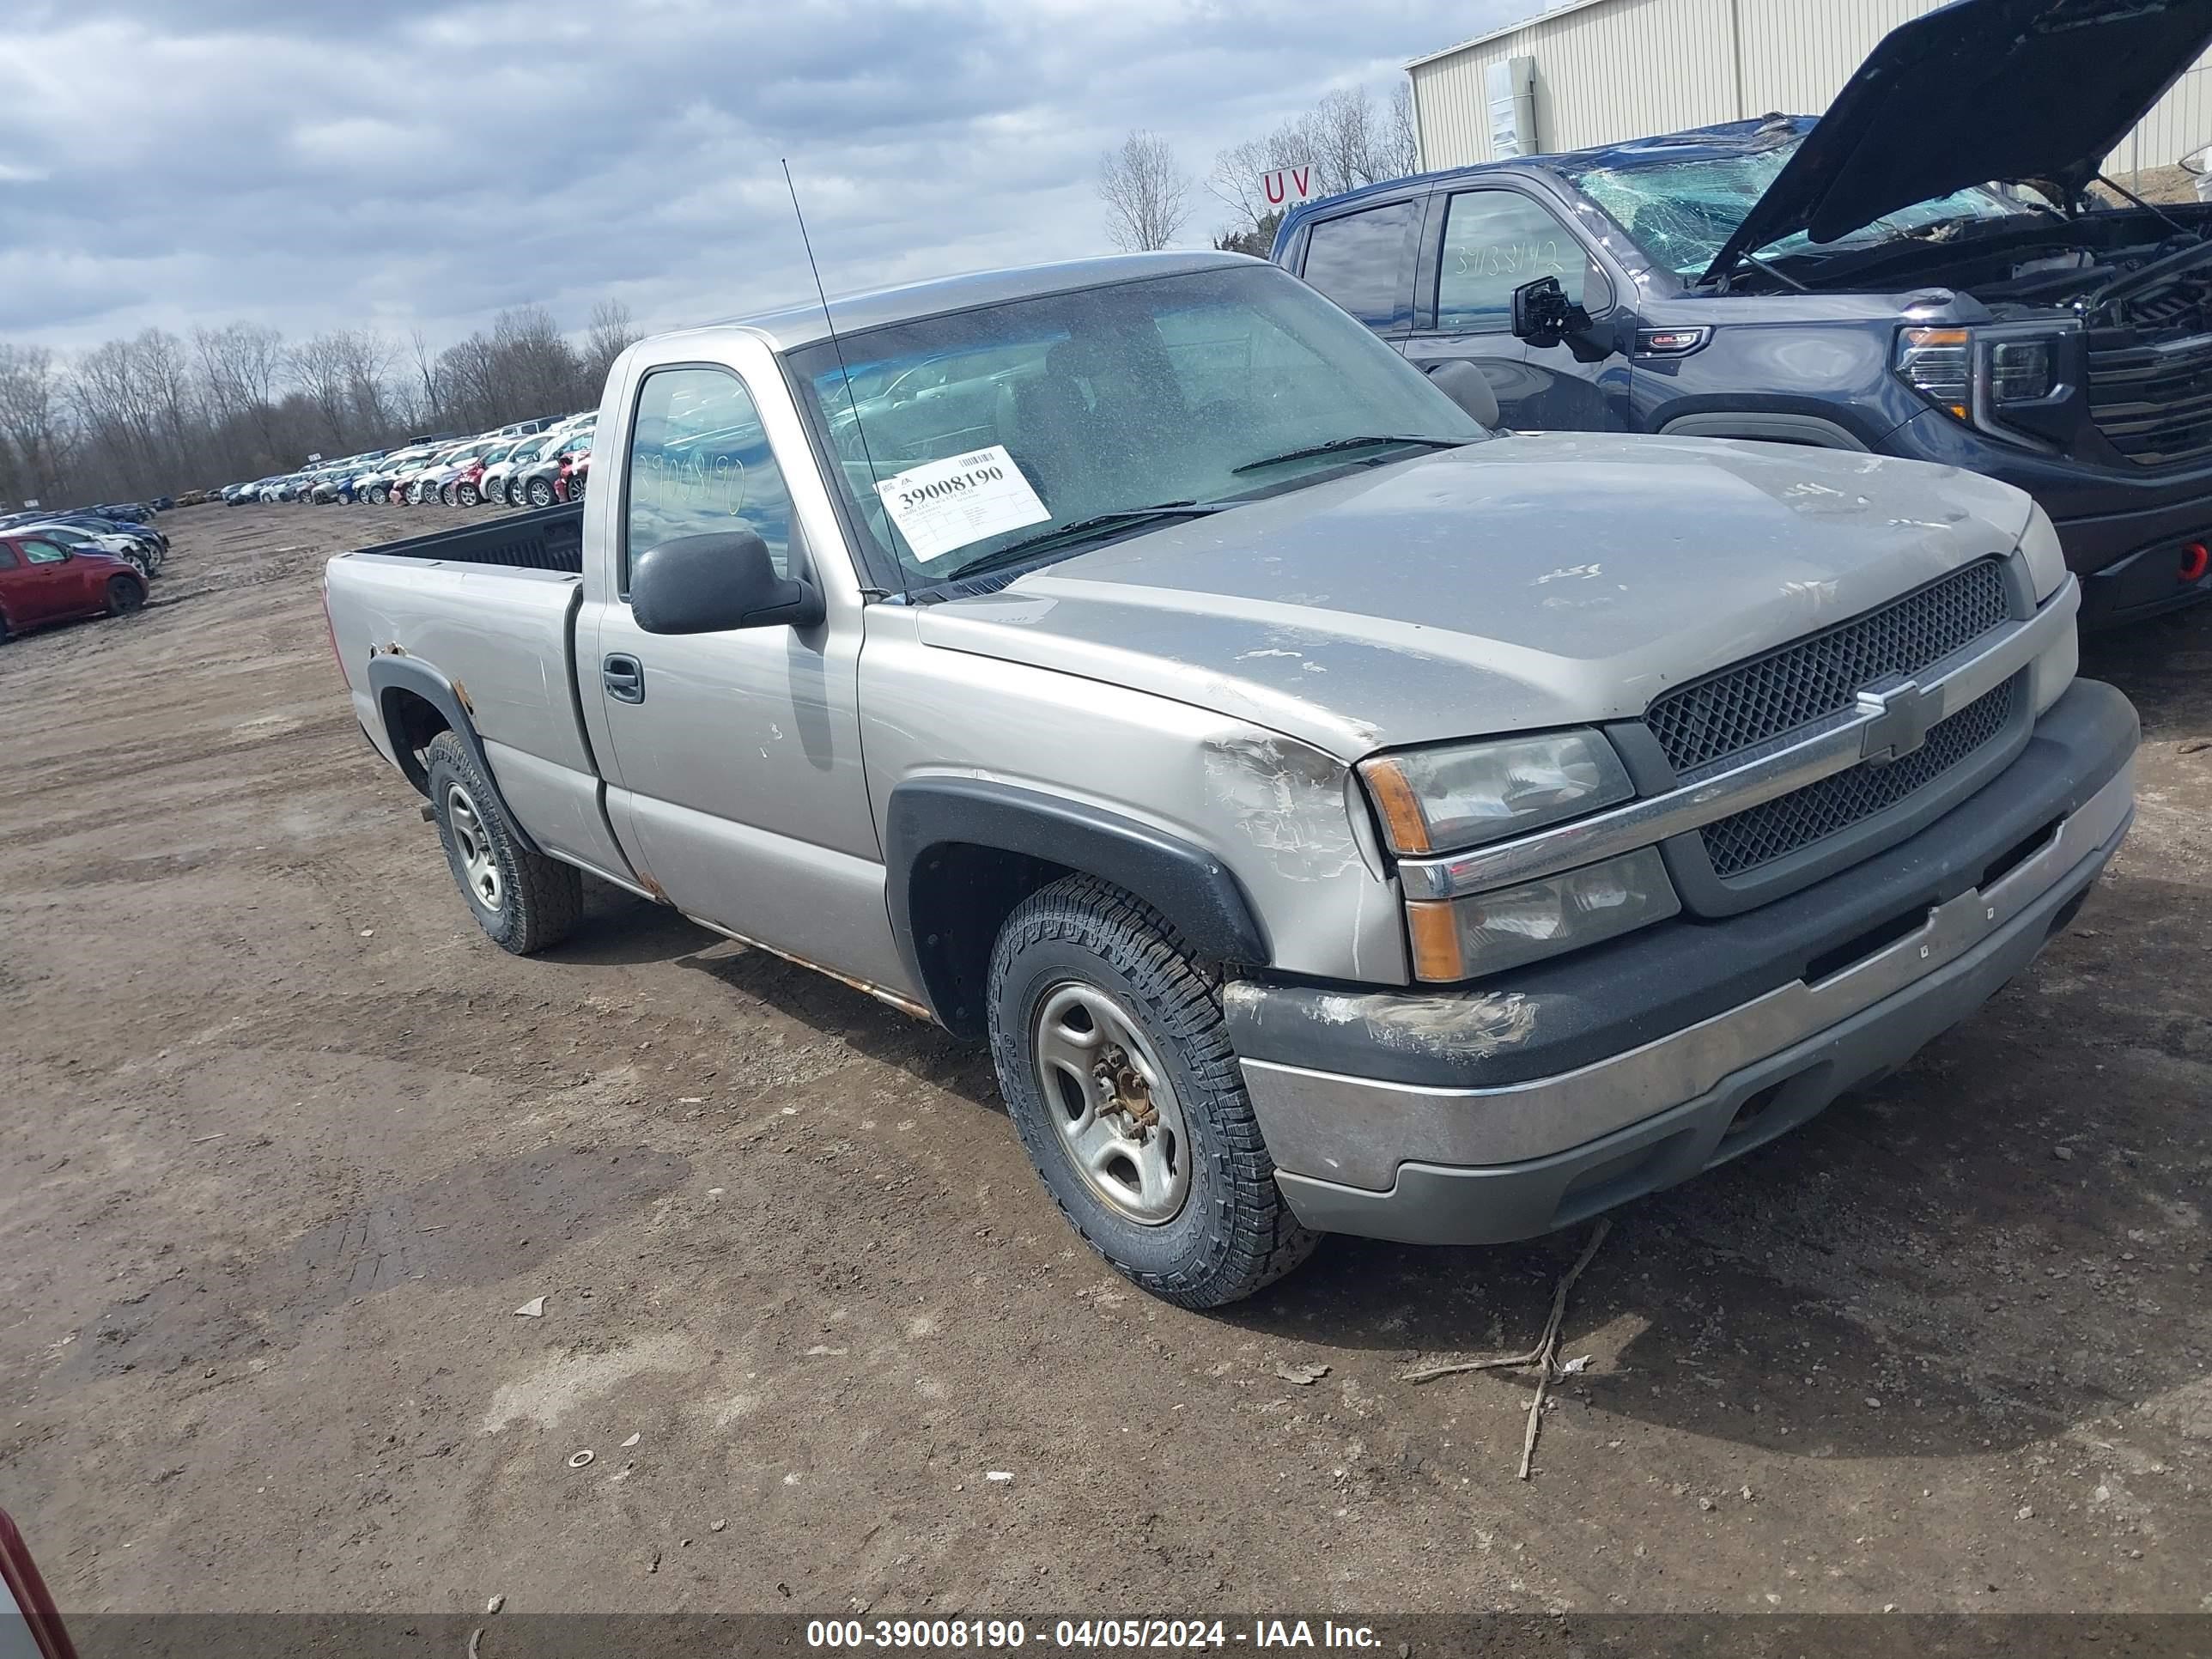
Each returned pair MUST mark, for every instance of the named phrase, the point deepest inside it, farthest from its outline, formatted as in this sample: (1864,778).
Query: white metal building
(1604,70)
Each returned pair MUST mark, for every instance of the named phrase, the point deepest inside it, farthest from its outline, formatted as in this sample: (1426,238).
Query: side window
(1358,260)
(700,462)
(7,558)
(1494,242)
(43,553)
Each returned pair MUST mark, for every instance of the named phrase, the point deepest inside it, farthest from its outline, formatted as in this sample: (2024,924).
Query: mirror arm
(802,607)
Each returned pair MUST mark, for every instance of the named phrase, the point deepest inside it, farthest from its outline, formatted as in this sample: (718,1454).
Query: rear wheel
(124,595)
(1115,1066)
(524,901)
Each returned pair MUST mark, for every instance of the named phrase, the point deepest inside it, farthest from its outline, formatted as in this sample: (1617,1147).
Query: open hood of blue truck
(1974,92)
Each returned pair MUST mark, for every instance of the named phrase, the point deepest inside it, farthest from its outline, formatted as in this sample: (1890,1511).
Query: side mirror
(713,583)
(1468,386)
(1543,315)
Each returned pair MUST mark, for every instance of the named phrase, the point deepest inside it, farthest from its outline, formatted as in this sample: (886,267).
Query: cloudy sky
(309,163)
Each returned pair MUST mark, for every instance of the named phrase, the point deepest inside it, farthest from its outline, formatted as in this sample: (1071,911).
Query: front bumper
(2123,528)
(1422,1141)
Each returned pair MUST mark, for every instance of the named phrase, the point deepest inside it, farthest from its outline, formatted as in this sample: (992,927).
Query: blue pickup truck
(1890,278)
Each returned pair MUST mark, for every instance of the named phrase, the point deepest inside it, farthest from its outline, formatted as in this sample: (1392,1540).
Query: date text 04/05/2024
(1003,1635)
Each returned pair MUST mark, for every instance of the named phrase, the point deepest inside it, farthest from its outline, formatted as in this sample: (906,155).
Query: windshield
(1164,391)
(1682,212)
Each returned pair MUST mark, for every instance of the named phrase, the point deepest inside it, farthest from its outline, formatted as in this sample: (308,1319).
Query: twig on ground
(1544,1356)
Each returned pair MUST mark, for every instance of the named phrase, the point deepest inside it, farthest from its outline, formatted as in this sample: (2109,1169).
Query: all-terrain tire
(1234,1233)
(539,900)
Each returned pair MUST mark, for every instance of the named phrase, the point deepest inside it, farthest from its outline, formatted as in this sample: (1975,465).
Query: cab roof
(789,327)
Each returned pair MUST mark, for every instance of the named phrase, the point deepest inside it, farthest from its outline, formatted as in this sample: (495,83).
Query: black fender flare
(1186,883)
(392,671)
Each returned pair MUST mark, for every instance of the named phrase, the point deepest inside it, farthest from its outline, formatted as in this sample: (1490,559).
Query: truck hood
(2008,90)
(1522,582)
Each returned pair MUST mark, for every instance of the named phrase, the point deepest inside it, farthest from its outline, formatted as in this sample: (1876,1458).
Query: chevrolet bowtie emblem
(1900,721)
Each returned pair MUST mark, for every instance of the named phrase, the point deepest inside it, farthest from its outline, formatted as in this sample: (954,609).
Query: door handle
(625,678)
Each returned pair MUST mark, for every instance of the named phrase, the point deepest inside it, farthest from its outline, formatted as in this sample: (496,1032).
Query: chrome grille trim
(2153,400)
(1750,840)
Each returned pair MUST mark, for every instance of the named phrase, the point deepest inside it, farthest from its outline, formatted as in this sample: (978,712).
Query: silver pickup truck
(1337,814)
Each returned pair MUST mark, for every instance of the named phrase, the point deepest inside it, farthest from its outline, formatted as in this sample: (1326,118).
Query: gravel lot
(286,1143)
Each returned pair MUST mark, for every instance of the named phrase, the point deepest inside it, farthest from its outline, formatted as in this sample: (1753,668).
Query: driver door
(733,759)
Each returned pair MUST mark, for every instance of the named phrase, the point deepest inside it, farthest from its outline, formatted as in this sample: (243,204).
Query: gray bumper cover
(1471,1165)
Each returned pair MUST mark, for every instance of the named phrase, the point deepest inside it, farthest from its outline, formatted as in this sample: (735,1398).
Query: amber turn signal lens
(1402,811)
(1435,931)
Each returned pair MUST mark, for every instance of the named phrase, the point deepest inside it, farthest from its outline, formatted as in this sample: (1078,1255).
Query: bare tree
(1401,150)
(31,429)
(240,368)
(367,357)
(1146,194)
(1344,139)
(611,333)
(426,374)
(319,366)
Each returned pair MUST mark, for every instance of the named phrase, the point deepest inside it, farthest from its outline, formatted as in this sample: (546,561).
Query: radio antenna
(830,322)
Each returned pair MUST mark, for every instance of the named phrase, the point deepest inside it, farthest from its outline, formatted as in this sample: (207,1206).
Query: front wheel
(541,492)
(467,494)
(1112,1054)
(513,496)
(124,595)
(524,901)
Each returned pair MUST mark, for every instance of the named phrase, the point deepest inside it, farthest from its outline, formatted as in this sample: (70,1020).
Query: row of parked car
(530,463)
(100,530)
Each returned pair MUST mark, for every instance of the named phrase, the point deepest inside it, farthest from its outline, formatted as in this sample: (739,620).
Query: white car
(501,471)
(375,483)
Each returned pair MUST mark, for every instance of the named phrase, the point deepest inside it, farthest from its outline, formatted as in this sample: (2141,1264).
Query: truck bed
(490,608)
(550,538)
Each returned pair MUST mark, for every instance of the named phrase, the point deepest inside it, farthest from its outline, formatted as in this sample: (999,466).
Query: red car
(42,581)
(25,1604)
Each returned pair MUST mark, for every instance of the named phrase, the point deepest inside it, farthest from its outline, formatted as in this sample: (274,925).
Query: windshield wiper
(1335,444)
(1061,535)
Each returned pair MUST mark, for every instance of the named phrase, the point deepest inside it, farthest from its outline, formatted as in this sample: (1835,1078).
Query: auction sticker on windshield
(943,506)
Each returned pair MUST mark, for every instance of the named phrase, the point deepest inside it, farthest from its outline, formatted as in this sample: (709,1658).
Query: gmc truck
(1853,282)
(1335,817)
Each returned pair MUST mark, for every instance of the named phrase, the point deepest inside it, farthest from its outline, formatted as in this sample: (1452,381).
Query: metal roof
(792,327)
(1545,16)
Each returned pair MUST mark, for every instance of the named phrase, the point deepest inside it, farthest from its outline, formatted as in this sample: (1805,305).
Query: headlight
(1956,372)
(1435,800)
(1485,933)
(1938,364)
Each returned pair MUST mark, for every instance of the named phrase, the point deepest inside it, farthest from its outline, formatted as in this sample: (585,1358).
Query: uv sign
(1287,186)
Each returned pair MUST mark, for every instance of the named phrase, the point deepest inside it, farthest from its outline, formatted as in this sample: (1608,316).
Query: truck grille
(1712,719)
(1782,825)
(2152,403)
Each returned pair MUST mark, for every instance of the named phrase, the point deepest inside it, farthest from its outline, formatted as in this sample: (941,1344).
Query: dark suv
(1854,282)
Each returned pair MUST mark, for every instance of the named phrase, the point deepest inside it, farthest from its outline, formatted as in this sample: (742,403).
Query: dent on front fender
(1284,817)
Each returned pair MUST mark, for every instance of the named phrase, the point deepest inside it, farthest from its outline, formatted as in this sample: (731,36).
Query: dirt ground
(286,1143)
